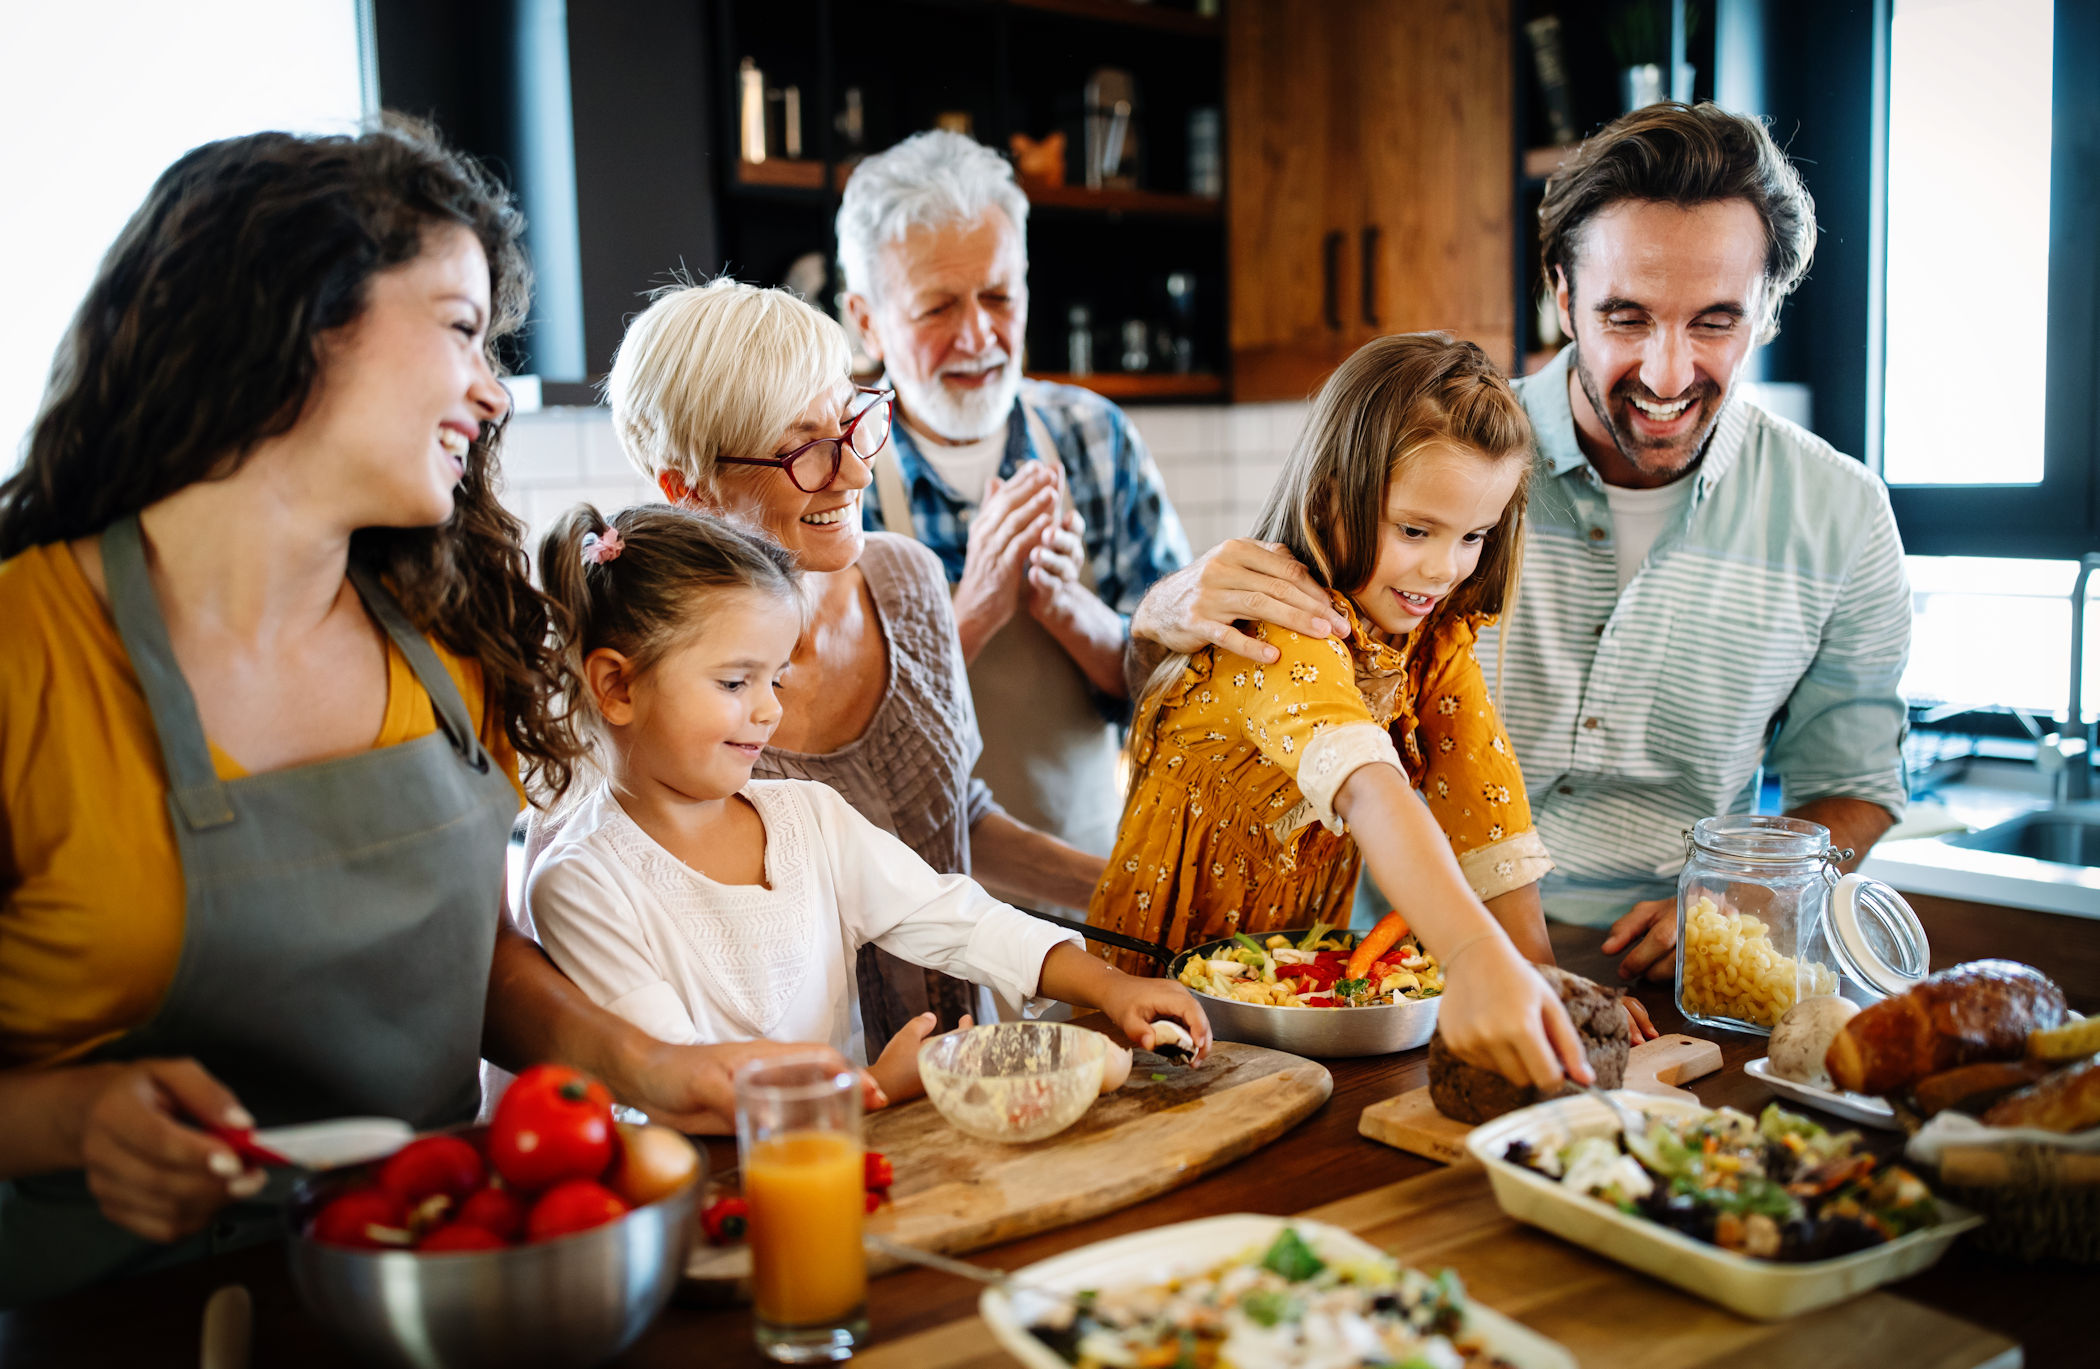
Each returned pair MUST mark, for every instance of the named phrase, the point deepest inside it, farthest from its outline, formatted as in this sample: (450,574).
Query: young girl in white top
(704,906)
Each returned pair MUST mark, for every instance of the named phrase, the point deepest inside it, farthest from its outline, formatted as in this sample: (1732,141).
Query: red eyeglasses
(865,433)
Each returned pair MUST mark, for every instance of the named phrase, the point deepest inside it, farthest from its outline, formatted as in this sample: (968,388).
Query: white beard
(961,415)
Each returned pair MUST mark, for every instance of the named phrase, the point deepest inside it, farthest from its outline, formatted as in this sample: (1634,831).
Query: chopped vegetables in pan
(1324,968)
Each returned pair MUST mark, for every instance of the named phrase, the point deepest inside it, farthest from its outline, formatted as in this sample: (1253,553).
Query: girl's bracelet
(1465,946)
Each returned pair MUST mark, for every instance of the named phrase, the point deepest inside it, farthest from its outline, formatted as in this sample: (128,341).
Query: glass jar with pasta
(1758,929)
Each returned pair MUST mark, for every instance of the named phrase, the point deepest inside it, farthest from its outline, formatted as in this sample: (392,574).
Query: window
(1968,232)
(2023,610)
(1991,325)
(98,97)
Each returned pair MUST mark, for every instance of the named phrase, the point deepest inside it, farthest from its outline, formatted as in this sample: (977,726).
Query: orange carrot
(1376,943)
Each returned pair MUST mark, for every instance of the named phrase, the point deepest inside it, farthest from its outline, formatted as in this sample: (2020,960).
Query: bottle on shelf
(1079,340)
(751,111)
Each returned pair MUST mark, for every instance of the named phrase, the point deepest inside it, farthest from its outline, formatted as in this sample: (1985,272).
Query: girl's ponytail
(563,578)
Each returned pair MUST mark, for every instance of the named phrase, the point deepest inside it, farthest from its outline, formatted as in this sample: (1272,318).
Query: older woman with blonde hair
(740,400)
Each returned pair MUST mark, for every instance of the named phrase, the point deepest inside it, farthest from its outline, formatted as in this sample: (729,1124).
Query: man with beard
(1706,587)
(1040,499)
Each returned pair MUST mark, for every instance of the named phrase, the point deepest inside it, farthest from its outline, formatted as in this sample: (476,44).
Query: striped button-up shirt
(1769,624)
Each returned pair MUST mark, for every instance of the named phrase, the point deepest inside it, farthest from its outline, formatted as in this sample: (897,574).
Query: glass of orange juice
(798,1139)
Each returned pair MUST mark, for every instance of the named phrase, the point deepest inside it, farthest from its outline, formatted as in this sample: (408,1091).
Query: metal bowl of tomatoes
(551,1237)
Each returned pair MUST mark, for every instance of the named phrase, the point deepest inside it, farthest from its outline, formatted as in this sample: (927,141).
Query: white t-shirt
(1638,518)
(689,960)
(966,469)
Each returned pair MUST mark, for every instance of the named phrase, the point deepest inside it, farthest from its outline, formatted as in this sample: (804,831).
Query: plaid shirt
(1132,534)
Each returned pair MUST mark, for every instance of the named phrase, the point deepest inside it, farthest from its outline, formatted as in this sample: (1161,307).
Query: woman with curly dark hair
(271,665)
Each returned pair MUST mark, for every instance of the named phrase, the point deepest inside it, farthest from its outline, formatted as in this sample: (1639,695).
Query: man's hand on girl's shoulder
(1238,580)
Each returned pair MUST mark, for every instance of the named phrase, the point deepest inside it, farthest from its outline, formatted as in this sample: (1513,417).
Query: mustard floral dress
(1234,768)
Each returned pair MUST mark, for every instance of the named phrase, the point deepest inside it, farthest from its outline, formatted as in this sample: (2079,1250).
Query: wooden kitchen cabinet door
(1370,188)
(1292,174)
(1434,78)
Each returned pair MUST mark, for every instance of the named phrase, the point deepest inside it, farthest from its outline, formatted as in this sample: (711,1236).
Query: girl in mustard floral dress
(1258,792)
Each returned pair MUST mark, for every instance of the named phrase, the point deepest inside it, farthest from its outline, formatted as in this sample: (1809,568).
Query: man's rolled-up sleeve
(1842,736)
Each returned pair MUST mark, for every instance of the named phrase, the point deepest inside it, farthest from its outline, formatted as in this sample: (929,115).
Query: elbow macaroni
(1732,969)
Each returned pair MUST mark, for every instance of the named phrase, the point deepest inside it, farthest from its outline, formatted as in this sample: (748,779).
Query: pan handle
(1106,937)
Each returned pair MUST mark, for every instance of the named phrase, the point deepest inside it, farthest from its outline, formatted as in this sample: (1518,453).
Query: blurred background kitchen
(1228,197)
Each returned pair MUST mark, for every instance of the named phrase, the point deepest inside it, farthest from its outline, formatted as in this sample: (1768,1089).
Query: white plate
(1766,1290)
(1148,1257)
(1863,1108)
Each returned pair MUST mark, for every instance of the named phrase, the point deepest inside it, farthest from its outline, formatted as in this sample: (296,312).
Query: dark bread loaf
(1982,1010)
(1467,1093)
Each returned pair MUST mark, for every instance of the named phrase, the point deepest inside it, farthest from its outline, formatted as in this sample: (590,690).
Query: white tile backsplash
(557,458)
(1218,460)
(603,460)
(543,447)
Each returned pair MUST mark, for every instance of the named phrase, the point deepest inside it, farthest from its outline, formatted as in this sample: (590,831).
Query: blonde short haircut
(715,370)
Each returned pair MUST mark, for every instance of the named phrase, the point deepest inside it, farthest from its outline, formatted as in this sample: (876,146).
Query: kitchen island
(154,1320)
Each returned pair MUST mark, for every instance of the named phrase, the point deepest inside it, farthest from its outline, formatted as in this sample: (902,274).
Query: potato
(2077,1038)
(1803,1035)
(1115,1071)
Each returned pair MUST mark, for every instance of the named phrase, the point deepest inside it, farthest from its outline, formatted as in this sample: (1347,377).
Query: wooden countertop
(154,1320)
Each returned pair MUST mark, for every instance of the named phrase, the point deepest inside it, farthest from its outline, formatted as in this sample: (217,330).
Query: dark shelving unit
(1012,66)
(1592,81)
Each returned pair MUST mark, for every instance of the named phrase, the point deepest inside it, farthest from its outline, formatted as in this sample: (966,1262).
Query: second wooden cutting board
(1410,1122)
(1168,1125)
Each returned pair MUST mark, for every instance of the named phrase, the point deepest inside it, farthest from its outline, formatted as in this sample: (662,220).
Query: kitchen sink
(2046,857)
(2068,835)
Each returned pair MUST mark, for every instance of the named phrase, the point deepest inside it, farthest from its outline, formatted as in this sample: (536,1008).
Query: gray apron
(339,923)
(1049,756)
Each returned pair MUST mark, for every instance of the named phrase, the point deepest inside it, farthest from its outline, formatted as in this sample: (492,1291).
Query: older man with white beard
(1040,499)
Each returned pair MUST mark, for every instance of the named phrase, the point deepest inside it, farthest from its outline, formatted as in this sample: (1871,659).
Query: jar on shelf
(1765,919)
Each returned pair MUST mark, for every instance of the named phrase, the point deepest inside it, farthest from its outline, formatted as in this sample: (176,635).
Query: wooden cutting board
(1603,1312)
(1167,1126)
(1410,1122)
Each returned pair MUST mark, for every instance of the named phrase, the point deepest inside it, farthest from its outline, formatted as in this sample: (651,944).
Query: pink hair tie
(601,547)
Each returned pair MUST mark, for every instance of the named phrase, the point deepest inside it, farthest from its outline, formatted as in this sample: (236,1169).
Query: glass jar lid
(1878,939)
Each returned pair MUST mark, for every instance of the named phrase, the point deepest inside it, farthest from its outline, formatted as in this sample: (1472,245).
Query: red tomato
(1323,1001)
(495,1210)
(432,1164)
(553,1124)
(873,1200)
(876,1170)
(570,1206)
(1318,975)
(366,1219)
(726,1220)
(458,1236)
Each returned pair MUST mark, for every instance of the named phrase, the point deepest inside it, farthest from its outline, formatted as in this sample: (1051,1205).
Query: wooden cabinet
(1368,146)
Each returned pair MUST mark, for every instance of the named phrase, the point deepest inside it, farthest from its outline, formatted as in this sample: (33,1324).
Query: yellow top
(91,898)
(1231,824)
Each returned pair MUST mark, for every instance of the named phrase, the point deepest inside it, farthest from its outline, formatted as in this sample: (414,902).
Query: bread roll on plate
(1983,1010)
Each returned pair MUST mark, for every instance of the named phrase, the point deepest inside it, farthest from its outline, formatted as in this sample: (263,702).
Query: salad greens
(1286,1305)
(1779,1187)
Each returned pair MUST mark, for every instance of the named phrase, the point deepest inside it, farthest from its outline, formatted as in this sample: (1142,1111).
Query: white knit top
(688,959)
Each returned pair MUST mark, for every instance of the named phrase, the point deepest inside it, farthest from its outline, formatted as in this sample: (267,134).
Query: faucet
(2078,754)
